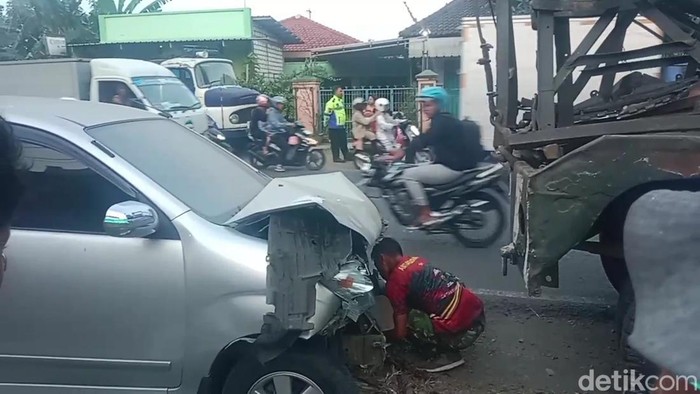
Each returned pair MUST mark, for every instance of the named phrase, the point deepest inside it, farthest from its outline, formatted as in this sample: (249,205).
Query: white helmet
(381,104)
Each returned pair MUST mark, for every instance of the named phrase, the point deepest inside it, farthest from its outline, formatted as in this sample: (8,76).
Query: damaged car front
(320,230)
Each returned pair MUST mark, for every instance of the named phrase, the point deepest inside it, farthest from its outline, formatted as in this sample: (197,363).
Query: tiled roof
(447,21)
(314,35)
(272,26)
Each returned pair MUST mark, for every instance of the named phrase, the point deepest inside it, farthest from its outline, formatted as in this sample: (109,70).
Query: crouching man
(432,308)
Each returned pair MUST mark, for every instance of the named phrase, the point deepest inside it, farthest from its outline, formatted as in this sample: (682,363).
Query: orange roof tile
(314,35)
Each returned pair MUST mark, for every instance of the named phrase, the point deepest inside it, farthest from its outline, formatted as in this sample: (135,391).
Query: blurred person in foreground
(432,308)
(661,241)
(10,186)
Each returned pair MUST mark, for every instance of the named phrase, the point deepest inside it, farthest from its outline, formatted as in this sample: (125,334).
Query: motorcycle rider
(361,123)
(456,145)
(386,126)
(257,115)
(277,128)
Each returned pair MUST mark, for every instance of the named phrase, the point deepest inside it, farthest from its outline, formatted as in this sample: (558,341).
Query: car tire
(302,369)
(625,318)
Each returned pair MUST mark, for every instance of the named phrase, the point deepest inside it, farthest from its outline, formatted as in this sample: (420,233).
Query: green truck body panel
(560,203)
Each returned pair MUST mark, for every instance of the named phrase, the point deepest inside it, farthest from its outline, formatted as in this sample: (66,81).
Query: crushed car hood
(332,192)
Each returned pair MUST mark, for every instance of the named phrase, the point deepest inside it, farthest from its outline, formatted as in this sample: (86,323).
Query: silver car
(144,258)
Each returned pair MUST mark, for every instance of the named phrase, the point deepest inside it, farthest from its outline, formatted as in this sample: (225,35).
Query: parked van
(135,83)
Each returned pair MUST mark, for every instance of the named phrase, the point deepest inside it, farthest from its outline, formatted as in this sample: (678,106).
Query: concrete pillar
(425,79)
(307,95)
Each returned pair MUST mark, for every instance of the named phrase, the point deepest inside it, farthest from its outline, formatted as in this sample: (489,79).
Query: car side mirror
(130,219)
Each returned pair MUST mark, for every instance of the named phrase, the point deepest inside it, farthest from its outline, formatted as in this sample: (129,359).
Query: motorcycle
(214,134)
(471,203)
(405,133)
(302,151)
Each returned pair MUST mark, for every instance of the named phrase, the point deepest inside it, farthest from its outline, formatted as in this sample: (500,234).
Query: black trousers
(339,143)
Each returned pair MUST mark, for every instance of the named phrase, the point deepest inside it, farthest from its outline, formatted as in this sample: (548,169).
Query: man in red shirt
(431,306)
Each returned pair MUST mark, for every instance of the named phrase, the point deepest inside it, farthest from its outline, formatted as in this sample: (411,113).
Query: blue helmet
(434,93)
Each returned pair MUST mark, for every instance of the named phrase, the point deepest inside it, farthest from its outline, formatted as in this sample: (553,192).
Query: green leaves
(107,7)
(281,85)
(32,20)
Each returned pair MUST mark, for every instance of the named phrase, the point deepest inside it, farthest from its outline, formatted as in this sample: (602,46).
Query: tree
(32,20)
(106,7)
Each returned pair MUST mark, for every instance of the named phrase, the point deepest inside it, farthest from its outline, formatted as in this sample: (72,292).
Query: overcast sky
(362,19)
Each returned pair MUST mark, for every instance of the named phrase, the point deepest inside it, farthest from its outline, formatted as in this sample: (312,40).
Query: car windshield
(212,182)
(214,73)
(167,93)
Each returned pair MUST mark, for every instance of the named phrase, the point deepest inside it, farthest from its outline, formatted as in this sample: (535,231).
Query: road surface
(530,345)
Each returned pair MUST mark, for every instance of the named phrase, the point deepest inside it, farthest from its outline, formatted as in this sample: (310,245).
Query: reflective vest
(335,110)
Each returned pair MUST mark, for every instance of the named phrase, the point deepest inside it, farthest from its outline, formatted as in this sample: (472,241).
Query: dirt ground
(529,346)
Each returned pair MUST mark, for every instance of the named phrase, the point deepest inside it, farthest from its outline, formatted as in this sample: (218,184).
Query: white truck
(131,82)
(214,83)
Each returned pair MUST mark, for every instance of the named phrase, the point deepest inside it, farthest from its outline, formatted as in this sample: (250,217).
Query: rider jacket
(386,133)
(276,122)
(259,114)
(456,144)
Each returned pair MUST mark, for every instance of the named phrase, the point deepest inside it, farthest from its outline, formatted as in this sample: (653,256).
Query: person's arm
(362,119)
(397,293)
(423,141)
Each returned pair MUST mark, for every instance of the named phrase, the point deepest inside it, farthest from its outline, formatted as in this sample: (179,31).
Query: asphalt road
(530,345)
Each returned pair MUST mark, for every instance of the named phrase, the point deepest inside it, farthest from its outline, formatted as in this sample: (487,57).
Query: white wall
(473,83)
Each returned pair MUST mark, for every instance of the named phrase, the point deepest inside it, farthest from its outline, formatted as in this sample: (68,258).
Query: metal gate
(401,98)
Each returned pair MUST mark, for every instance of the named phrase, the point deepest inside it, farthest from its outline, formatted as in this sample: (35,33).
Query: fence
(401,98)
(453,101)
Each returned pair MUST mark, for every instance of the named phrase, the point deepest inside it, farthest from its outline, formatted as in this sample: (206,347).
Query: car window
(62,194)
(208,179)
(185,76)
(117,92)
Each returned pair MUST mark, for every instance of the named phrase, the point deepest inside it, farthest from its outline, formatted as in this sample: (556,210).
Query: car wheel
(291,373)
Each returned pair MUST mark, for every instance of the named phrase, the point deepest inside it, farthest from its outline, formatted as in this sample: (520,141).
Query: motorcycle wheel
(362,161)
(401,206)
(315,160)
(491,215)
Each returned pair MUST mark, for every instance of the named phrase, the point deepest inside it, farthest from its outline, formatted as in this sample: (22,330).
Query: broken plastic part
(305,247)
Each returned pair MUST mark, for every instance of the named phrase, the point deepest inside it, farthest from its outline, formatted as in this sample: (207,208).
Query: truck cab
(213,81)
(129,82)
(146,86)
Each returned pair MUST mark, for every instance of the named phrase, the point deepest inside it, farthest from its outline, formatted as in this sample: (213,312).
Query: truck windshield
(214,73)
(212,182)
(167,93)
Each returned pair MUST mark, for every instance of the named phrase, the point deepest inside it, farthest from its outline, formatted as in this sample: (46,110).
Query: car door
(80,308)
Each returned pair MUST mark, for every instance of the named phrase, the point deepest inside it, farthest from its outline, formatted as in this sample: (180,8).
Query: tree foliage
(282,84)
(106,7)
(27,22)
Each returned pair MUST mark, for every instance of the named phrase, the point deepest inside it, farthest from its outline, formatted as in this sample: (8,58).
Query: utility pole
(425,32)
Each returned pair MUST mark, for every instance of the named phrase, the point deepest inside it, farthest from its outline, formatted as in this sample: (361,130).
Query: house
(230,33)
(349,61)
(435,42)
(312,35)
